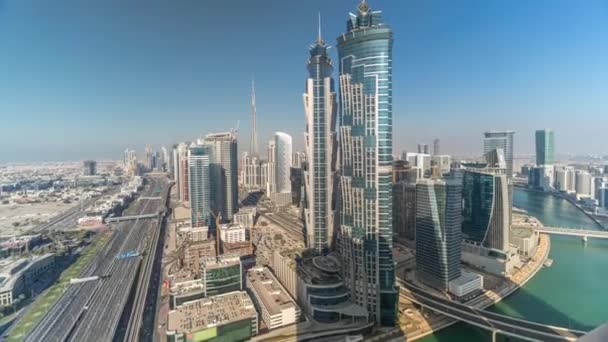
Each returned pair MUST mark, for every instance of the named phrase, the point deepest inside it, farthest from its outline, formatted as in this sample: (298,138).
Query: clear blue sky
(85,79)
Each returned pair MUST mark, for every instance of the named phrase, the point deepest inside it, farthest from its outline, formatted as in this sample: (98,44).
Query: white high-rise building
(251,172)
(181,162)
(272,151)
(583,183)
(320,142)
(283,145)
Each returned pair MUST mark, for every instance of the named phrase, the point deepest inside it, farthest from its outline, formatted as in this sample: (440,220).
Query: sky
(87,79)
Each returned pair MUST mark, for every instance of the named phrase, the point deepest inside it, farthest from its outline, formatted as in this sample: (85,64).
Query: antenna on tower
(319,39)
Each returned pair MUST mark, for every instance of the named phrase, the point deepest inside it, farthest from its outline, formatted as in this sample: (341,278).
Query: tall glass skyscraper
(486,208)
(199,184)
(366,137)
(545,149)
(223,170)
(438,230)
(319,138)
(500,140)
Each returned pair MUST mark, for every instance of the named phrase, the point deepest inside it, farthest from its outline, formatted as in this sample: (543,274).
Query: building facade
(199,185)
(404,210)
(438,230)
(486,208)
(223,169)
(545,149)
(320,143)
(365,134)
(284,150)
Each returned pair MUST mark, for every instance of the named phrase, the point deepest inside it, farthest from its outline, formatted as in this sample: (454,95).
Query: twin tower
(348,176)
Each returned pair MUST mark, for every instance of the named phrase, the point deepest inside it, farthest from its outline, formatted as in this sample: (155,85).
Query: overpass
(493,322)
(131,218)
(599,234)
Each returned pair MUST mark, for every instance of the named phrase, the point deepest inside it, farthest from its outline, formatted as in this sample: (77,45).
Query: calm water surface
(571,293)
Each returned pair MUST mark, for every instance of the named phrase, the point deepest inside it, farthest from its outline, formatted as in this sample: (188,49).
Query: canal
(571,293)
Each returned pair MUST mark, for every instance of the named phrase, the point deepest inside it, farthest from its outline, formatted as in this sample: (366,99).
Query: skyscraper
(199,184)
(438,230)
(319,139)
(494,141)
(545,149)
(486,208)
(283,145)
(504,141)
(436,147)
(223,172)
(365,54)
(182,172)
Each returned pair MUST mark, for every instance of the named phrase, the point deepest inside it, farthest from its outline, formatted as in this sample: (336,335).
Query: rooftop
(273,296)
(465,277)
(11,269)
(211,312)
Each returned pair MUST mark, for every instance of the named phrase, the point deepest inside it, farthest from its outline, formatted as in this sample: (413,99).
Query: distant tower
(545,149)
(436,147)
(254,129)
(283,145)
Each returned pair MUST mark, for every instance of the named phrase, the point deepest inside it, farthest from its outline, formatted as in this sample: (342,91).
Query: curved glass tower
(320,136)
(366,139)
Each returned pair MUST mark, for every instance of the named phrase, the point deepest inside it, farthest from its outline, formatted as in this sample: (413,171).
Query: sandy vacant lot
(27,215)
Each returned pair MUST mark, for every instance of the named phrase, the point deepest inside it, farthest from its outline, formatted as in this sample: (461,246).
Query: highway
(502,324)
(92,311)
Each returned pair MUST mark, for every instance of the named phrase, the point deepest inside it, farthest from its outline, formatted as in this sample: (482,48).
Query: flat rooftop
(209,312)
(466,277)
(522,232)
(273,296)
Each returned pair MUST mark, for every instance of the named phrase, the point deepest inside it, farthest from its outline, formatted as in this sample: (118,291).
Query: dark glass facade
(438,230)
(485,209)
(366,136)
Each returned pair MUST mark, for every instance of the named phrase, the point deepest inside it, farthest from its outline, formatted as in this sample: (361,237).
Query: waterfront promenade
(429,323)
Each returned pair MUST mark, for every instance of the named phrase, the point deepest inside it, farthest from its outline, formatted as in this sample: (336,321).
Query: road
(92,311)
(488,320)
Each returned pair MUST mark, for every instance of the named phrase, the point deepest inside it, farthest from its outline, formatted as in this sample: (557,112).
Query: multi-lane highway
(95,311)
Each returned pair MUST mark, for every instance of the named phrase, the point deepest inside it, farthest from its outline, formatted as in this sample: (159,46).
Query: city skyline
(84,86)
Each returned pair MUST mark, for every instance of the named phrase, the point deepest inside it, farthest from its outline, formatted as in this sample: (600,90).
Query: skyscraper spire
(254,133)
(319,38)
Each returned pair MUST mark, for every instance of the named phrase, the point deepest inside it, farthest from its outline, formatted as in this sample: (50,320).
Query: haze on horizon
(75,85)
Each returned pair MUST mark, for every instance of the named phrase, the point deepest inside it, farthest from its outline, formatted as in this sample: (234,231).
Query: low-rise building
(245,216)
(276,307)
(221,275)
(18,275)
(467,284)
(525,238)
(185,290)
(497,262)
(229,317)
(197,250)
(194,233)
(232,233)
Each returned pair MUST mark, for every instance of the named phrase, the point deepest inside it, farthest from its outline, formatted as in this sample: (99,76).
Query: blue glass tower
(366,139)
(320,137)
